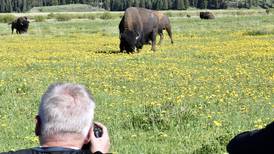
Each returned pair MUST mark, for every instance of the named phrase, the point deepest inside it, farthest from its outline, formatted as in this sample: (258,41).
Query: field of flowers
(189,97)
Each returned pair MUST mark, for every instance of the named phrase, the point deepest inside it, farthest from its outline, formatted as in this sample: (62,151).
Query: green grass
(215,81)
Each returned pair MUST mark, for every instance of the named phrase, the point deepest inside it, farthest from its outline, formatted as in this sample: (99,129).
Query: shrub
(259,32)
(90,16)
(51,16)
(7,18)
(169,14)
(39,18)
(182,14)
(79,16)
(63,17)
(106,16)
(269,11)
(40,10)
(208,148)
(160,117)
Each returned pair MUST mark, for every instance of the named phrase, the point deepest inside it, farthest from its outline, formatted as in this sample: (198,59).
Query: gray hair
(66,109)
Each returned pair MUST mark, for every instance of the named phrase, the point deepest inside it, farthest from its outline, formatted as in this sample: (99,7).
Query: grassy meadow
(215,81)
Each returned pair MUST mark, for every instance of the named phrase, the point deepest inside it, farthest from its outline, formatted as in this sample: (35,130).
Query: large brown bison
(21,25)
(207,15)
(138,26)
(164,24)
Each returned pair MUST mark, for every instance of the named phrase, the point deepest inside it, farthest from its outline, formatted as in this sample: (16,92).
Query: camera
(98,132)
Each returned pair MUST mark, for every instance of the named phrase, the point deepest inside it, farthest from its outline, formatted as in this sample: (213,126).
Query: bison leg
(139,47)
(153,40)
(122,48)
(12,29)
(168,29)
(161,37)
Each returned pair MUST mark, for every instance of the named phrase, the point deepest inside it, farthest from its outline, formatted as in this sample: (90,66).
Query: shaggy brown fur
(164,24)
(21,25)
(207,15)
(137,27)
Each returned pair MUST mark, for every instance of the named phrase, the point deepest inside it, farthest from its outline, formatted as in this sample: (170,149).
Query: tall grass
(90,16)
(6,18)
(40,18)
(66,8)
(106,16)
(63,17)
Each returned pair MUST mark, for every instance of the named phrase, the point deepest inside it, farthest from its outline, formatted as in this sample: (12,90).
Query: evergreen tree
(249,3)
(202,4)
(106,4)
(179,4)
(158,5)
(130,3)
(136,3)
(148,4)
(165,5)
(54,2)
(25,5)
(142,3)
(186,4)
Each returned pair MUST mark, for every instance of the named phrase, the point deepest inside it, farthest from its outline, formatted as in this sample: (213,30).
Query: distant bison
(207,15)
(164,24)
(138,26)
(21,25)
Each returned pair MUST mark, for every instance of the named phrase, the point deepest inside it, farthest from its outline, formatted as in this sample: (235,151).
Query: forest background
(120,5)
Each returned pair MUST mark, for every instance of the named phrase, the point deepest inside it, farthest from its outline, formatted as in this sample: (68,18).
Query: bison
(207,15)
(164,24)
(21,25)
(138,26)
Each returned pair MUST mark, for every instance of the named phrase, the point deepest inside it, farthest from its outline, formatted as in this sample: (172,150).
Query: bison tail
(168,29)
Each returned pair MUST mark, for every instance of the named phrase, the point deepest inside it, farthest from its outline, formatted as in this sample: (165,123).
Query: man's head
(65,110)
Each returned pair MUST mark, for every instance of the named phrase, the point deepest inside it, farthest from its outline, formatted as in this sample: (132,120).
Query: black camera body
(98,132)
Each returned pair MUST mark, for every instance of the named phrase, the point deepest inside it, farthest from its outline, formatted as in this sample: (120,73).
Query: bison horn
(138,36)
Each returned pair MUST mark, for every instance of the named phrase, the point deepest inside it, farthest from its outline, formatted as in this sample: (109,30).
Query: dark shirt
(253,142)
(50,150)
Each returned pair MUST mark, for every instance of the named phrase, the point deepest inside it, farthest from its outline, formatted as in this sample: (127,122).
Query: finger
(99,124)
(92,135)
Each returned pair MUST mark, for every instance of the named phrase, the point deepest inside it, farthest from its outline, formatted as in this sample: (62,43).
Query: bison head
(129,40)
(22,24)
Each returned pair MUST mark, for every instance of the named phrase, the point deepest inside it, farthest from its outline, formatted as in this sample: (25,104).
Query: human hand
(102,143)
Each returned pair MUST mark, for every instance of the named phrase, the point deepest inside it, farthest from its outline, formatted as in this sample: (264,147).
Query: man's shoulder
(23,151)
(37,151)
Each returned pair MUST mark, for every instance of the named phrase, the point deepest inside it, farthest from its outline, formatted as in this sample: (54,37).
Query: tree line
(120,5)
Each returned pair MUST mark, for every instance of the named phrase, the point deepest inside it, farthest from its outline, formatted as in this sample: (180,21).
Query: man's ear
(88,137)
(38,126)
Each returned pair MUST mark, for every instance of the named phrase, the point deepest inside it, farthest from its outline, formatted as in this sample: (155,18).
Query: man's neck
(68,141)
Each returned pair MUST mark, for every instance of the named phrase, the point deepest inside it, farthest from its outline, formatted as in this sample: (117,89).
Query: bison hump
(159,15)
(132,18)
